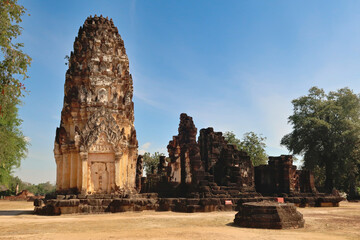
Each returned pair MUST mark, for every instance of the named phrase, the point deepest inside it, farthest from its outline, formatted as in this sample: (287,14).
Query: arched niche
(101,166)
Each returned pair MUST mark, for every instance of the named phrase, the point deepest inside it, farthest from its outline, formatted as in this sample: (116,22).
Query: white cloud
(144,148)
(146,145)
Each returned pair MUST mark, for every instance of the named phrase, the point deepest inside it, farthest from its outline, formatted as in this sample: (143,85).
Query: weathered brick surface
(269,215)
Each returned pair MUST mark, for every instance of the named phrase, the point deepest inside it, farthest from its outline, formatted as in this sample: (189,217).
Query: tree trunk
(353,194)
(329,181)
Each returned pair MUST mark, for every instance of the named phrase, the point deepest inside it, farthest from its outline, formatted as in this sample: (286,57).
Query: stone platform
(95,203)
(102,203)
(317,201)
(268,214)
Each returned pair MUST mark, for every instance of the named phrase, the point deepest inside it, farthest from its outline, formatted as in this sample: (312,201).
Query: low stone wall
(325,201)
(102,203)
(96,203)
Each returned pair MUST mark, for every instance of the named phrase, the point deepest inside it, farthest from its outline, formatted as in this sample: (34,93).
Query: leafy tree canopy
(13,61)
(13,67)
(37,189)
(251,143)
(13,145)
(326,131)
(151,161)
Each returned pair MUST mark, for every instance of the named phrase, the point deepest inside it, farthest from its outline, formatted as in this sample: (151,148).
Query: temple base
(112,203)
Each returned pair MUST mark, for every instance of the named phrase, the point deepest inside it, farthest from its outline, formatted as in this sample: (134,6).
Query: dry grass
(17,222)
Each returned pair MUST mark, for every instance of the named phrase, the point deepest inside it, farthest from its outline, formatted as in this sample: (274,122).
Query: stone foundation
(111,203)
(103,203)
(269,215)
(97,203)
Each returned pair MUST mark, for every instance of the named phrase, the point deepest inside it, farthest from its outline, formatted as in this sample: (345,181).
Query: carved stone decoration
(95,145)
(102,95)
(101,121)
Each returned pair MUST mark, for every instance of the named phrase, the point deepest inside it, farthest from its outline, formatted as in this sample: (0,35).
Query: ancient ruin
(209,174)
(281,178)
(209,166)
(98,166)
(95,145)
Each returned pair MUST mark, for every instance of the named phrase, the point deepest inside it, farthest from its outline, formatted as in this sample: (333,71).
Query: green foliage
(319,177)
(14,62)
(13,145)
(41,188)
(251,143)
(13,67)
(326,131)
(37,189)
(151,161)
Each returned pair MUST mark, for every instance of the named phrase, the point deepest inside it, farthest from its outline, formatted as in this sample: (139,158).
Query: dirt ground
(17,222)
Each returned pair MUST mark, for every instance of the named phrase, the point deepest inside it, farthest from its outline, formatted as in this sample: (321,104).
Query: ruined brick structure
(139,172)
(95,146)
(281,176)
(209,163)
(206,174)
(184,152)
(224,163)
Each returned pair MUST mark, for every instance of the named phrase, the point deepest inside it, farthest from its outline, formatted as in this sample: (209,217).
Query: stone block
(106,202)
(269,215)
(95,202)
(81,196)
(60,197)
(38,202)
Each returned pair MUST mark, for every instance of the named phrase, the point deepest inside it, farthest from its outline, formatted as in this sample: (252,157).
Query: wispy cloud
(144,148)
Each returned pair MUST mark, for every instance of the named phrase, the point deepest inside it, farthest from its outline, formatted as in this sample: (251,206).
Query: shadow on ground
(16,212)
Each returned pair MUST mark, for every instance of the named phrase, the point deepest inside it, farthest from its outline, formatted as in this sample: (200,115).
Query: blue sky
(231,65)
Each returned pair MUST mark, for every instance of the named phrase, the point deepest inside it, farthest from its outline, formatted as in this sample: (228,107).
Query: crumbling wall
(184,152)
(209,167)
(229,166)
(281,176)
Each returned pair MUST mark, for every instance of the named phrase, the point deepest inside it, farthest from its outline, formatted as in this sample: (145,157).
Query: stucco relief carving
(101,80)
(101,145)
(101,121)
(102,96)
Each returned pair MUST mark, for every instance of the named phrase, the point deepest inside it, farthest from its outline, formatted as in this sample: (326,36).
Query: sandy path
(16,222)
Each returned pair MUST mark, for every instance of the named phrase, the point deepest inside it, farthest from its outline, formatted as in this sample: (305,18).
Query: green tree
(326,131)
(13,68)
(151,161)
(41,188)
(251,143)
(13,145)
(14,62)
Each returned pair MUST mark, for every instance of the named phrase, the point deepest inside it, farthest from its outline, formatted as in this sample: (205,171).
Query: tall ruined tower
(95,145)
